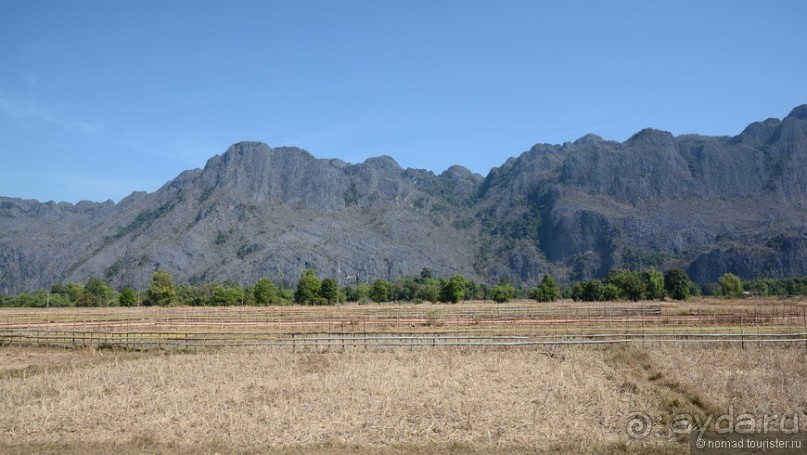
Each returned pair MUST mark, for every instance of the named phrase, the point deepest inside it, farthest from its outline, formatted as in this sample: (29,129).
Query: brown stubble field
(537,399)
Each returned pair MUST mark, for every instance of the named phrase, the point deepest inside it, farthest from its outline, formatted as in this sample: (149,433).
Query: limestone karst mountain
(708,204)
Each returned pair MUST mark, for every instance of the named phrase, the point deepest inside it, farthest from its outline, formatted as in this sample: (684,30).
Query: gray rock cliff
(708,204)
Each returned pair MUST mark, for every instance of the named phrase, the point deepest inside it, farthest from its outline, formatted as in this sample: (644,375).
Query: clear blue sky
(102,98)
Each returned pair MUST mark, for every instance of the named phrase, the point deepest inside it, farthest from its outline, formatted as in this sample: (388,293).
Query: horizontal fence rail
(335,340)
(404,326)
(327,315)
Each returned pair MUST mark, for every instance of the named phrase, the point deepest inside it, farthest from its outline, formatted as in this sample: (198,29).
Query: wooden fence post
(804,320)
(742,333)
(642,331)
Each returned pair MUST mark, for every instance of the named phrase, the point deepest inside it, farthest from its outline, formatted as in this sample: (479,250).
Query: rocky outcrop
(253,211)
(655,200)
(709,204)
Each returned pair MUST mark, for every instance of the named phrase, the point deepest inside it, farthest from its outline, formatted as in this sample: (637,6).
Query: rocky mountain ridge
(576,210)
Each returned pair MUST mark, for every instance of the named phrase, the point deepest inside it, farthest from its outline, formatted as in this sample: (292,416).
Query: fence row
(474,326)
(480,322)
(347,340)
(9,316)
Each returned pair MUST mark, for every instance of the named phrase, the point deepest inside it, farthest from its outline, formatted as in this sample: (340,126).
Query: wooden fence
(321,341)
(388,313)
(402,326)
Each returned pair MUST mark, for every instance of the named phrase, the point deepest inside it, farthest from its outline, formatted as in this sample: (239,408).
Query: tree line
(620,284)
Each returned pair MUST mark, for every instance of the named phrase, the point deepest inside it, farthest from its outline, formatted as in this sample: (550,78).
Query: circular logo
(639,425)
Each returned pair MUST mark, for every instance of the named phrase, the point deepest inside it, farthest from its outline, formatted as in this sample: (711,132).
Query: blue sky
(102,98)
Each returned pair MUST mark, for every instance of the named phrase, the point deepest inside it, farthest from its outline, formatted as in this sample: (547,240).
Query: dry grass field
(537,399)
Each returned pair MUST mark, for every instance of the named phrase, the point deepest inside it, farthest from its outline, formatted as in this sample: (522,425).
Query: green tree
(96,293)
(630,283)
(454,289)
(229,295)
(712,290)
(161,292)
(191,295)
(592,291)
(677,284)
(74,292)
(478,291)
(329,290)
(406,289)
(127,297)
(249,296)
(611,292)
(55,300)
(429,291)
(265,292)
(576,292)
(502,293)
(350,293)
(547,291)
(363,292)
(37,299)
(308,287)
(694,289)
(759,288)
(59,289)
(731,285)
(654,283)
(380,291)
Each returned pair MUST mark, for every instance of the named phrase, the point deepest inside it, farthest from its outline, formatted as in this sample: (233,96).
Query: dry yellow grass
(433,401)
(759,381)
(444,400)
(265,398)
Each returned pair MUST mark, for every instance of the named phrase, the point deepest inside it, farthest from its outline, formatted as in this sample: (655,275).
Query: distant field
(259,395)
(408,325)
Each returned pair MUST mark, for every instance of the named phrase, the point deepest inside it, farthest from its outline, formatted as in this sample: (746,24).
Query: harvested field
(410,326)
(575,398)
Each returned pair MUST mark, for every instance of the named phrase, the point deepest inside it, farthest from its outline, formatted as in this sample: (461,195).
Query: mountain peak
(651,136)
(698,202)
(760,132)
(799,112)
(459,173)
(248,144)
(244,147)
(383,163)
(589,139)
(249,154)
(651,133)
